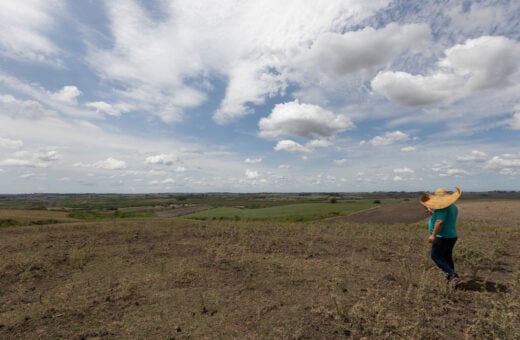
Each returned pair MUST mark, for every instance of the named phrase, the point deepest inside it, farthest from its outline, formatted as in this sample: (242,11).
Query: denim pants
(442,254)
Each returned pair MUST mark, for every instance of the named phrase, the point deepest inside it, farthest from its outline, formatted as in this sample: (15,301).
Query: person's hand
(431,239)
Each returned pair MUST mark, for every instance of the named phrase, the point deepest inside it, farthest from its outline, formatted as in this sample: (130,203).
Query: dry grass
(190,280)
(32,215)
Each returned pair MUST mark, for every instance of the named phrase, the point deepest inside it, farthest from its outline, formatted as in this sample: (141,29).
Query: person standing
(442,228)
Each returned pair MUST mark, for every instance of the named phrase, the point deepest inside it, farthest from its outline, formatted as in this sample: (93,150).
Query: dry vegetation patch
(187,279)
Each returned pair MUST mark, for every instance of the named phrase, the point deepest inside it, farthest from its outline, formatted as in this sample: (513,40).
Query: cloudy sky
(251,96)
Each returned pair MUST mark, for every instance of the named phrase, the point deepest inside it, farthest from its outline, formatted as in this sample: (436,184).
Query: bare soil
(180,211)
(492,213)
(405,212)
(173,279)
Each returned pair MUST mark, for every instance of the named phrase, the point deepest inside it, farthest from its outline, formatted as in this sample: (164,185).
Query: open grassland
(291,212)
(187,279)
(16,217)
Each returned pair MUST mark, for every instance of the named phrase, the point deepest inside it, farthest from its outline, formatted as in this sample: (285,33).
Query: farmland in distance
(116,268)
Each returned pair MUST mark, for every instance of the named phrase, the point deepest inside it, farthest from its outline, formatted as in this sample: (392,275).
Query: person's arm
(436,229)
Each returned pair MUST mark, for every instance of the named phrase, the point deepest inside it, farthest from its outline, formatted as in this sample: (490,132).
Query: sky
(129,96)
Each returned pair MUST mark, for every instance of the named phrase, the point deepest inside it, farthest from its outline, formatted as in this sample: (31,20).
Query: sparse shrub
(377,202)
(44,222)
(333,200)
(8,222)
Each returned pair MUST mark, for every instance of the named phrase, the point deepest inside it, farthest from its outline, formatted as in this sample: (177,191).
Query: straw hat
(440,199)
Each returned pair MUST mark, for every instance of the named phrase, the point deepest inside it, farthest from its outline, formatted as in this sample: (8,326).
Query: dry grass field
(179,279)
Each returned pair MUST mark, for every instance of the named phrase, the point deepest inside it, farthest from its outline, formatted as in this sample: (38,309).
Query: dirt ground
(172,279)
(180,211)
(406,212)
(493,213)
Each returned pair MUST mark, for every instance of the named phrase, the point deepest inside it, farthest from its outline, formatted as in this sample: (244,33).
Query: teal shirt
(448,216)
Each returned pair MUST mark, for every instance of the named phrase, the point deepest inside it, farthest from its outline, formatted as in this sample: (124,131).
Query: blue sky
(130,96)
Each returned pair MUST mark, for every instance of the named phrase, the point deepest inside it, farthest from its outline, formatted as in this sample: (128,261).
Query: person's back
(448,216)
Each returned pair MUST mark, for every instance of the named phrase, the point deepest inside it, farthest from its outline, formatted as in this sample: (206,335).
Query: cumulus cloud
(161,159)
(389,138)
(303,120)
(506,164)
(44,103)
(291,146)
(363,50)
(249,44)
(68,94)
(251,174)
(445,169)
(319,143)
(478,64)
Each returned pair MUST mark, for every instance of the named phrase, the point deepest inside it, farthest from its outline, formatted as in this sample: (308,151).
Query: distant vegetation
(291,212)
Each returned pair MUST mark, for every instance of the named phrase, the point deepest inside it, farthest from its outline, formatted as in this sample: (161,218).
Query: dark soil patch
(478,285)
(405,212)
(181,211)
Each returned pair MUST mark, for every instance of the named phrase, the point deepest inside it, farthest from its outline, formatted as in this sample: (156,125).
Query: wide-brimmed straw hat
(440,199)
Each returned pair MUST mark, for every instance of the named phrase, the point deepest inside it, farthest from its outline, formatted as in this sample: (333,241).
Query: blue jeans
(442,255)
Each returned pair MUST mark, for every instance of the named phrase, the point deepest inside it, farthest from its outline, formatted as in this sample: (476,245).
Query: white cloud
(15,162)
(475,17)
(251,174)
(474,156)
(49,156)
(408,149)
(8,143)
(291,146)
(389,138)
(319,143)
(303,120)
(364,50)
(514,122)
(249,44)
(164,181)
(108,164)
(253,160)
(445,169)
(404,171)
(28,109)
(506,164)
(43,103)
(476,65)
(24,25)
(161,159)
(109,109)
(342,161)
(68,95)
